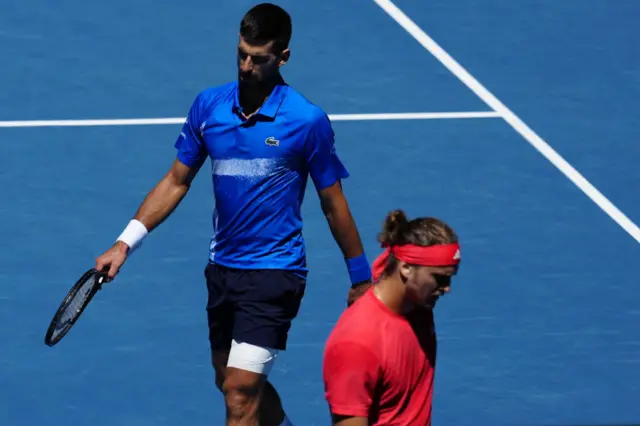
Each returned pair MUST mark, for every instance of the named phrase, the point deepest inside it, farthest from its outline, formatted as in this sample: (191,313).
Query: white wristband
(133,234)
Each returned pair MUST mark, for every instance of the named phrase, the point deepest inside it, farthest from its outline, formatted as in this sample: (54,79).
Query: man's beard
(248,80)
(431,301)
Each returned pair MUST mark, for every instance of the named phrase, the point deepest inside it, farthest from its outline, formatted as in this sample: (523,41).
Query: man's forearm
(161,202)
(344,229)
(158,204)
(345,232)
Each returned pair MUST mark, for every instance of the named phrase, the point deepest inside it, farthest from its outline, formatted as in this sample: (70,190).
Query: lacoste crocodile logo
(271,141)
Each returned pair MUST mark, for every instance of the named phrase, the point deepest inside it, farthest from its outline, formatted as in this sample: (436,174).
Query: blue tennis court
(543,324)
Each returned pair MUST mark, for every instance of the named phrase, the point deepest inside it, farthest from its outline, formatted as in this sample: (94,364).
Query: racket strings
(76,304)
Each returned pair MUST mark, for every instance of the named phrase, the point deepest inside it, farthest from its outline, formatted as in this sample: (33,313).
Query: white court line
(518,125)
(414,116)
(180,120)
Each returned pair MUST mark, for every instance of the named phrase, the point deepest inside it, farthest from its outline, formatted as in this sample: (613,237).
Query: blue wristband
(359,269)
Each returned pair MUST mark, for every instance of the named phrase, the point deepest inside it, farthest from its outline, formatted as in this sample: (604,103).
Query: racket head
(74,305)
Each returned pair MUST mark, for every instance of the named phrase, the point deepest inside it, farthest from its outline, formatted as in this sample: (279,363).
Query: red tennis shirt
(380,365)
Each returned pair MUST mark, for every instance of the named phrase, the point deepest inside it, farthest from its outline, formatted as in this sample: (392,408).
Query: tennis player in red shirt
(379,359)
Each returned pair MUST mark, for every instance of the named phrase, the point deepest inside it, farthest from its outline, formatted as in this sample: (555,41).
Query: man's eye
(442,280)
(259,59)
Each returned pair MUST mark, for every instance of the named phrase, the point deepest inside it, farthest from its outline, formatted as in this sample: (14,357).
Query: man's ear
(405,270)
(284,57)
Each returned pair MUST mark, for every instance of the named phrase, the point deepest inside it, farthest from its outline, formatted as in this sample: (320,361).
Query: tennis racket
(73,305)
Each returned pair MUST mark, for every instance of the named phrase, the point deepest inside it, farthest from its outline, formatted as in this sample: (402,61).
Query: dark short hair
(266,22)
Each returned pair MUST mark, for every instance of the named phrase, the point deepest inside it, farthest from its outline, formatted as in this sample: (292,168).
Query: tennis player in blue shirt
(264,140)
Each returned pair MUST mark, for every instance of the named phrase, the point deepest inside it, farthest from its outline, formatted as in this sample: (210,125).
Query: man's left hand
(357,290)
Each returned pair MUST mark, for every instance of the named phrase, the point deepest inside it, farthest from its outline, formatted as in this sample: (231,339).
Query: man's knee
(242,393)
(245,376)
(242,387)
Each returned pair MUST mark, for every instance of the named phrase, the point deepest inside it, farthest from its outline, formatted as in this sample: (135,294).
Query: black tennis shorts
(251,306)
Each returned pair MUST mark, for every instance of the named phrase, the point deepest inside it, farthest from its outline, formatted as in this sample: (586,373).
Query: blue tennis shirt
(259,171)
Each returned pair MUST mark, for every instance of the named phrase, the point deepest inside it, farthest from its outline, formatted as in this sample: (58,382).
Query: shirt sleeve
(190,144)
(350,373)
(320,153)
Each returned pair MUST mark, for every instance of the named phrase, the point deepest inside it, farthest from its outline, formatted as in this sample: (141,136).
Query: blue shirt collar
(271,106)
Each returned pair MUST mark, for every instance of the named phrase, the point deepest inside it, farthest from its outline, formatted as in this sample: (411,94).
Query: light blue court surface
(542,327)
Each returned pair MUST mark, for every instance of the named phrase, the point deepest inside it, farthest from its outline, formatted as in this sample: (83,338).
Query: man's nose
(246,64)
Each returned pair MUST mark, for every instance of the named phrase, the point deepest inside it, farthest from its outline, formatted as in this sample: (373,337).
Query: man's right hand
(112,259)
(357,290)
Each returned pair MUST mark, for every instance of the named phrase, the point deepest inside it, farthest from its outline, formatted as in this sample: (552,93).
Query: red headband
(438,255)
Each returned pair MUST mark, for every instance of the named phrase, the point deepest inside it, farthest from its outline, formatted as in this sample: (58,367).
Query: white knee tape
(245,356)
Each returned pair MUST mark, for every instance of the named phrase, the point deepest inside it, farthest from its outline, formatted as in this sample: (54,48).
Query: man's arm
(159,203)
(350,373)
(327,171)
(343,228)
(162,200)
(338,420)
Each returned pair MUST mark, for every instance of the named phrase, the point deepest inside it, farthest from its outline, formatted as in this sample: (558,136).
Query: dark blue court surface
(543,324)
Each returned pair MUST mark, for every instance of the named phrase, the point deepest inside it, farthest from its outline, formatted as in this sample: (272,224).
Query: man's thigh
(265,303)
(250,313)
(220,312)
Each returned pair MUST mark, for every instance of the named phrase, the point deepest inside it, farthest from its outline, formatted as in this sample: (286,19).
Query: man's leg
(220,318)
(270,410)
(251,400)
(267,302)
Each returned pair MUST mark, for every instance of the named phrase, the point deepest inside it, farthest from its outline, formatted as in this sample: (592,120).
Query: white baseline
(518,125)
(180,120)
